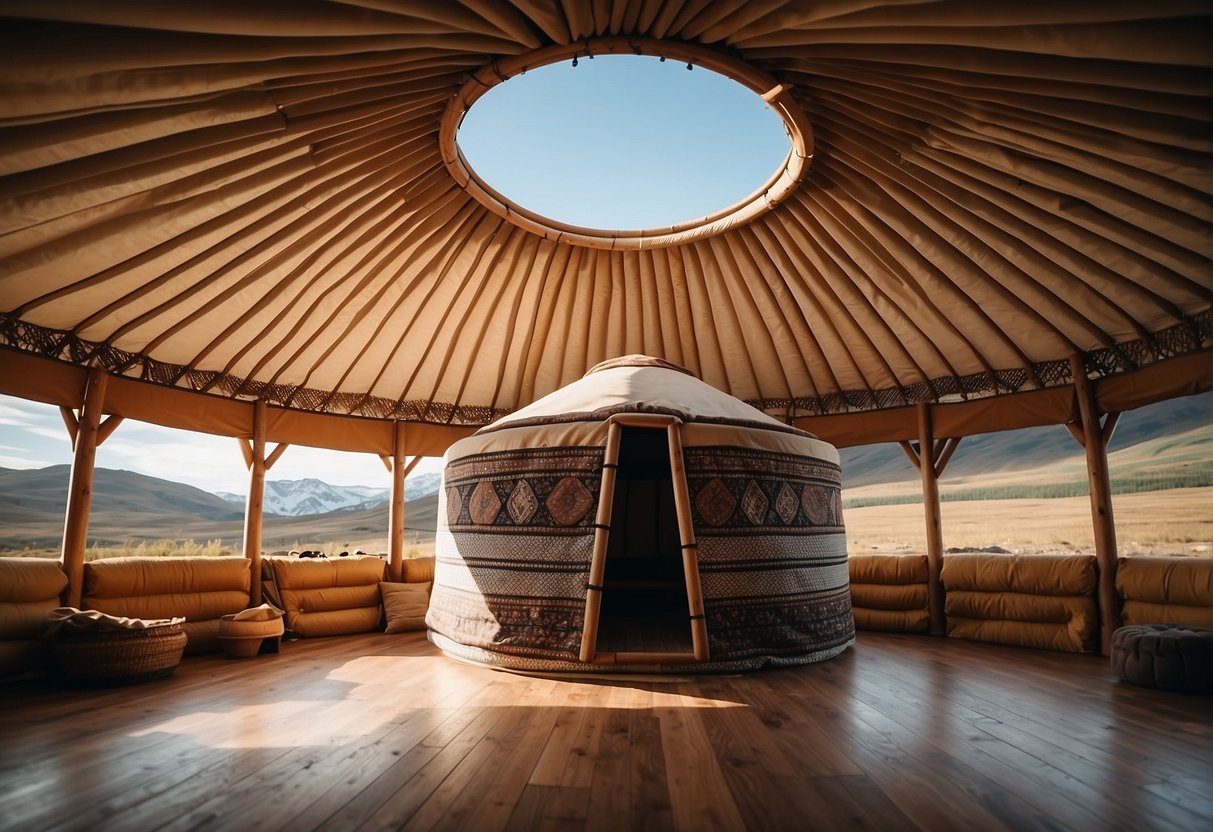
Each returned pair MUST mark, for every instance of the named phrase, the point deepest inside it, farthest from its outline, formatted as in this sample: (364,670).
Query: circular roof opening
(619,147)
(623,141)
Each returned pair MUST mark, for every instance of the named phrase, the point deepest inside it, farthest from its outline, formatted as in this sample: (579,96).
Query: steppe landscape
(1020,491)
(1173,522)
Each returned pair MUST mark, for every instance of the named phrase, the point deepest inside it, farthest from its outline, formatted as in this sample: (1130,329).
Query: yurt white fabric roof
(250,200)
(639,384)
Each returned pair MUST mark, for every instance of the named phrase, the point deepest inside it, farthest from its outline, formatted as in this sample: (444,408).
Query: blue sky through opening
(623,141)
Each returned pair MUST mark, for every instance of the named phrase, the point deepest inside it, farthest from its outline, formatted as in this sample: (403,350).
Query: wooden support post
(1095,436)
(395,513)
(80,485)
(258,463)
(254,506)
(930,500)
(931,457)
(396,503)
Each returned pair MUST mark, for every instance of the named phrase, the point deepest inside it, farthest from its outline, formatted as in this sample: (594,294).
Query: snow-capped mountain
(312,496)
(422,485)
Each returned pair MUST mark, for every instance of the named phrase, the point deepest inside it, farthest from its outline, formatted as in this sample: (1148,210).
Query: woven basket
(119,657)
(247,638)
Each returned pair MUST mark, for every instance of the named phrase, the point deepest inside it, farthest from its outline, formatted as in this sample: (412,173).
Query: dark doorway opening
(644,599)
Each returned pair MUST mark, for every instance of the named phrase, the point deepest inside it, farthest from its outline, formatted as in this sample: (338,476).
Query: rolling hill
(129,506)
(1018,451)
(40,494)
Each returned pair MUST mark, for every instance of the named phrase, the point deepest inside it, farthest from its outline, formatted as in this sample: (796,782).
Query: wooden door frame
(672,425)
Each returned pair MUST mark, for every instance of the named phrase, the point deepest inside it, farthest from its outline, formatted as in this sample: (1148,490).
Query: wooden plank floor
(383,732)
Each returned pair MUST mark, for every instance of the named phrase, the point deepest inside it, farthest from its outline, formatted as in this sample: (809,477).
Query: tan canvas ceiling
(250,200)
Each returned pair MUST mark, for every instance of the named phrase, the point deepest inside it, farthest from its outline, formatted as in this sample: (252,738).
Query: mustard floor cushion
(1175,657)
(405,605)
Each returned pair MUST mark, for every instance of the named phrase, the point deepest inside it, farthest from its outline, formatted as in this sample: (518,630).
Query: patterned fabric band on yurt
(638,519)
(516,553)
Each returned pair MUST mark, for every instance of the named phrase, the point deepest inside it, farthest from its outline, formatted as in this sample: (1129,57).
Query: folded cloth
(73,619)
(265,612)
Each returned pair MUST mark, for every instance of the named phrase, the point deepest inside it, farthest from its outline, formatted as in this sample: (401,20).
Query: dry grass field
(1174,522)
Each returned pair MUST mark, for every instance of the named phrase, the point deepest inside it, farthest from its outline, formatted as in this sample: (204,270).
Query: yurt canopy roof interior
(217,205)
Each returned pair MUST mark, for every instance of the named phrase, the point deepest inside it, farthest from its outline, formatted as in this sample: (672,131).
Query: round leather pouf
(1173,657)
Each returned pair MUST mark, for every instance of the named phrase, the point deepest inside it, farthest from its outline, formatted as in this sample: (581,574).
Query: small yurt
(639,519)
